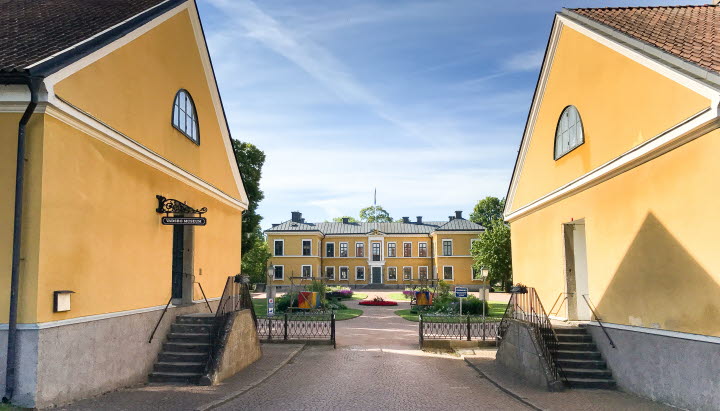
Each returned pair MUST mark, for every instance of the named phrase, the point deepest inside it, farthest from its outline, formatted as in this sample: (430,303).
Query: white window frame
(363,247)
(427,272)
(443,247)
(472,241)
(340,269)
(283,248)
(347,249)
(371,256)
(472,273)
(395,248)
(411,272)
(427,254)
(403,253)
(302,247)
(452,273)
(302,271)
(283,272)
(334,249)
(388,274)
(364,273)
(560,149)
(326,272)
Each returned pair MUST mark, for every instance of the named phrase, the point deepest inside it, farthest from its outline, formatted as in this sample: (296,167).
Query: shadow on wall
(660,285)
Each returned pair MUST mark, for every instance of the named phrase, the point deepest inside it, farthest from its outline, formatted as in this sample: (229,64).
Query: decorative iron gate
(457,327)
(299,327)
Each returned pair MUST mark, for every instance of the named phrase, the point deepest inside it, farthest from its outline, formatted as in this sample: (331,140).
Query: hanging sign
(184,221)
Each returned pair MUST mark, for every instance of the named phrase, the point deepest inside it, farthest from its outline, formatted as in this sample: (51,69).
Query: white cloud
(529,60)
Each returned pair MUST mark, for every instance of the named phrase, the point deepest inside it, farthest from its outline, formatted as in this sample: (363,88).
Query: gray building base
(61,364)
(680,372)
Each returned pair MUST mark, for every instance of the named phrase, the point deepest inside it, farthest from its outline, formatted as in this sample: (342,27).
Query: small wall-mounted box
(61,301)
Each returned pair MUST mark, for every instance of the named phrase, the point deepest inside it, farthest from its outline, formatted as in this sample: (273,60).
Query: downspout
(33,84)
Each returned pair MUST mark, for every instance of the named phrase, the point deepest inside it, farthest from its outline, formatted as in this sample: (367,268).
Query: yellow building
(374,255)
(123,107)
(612,203)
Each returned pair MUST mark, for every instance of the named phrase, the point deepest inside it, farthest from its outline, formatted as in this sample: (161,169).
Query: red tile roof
(691,33)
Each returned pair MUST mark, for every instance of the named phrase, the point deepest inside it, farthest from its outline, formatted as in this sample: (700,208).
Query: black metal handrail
(528,308)
(460,327)
(561,303)
(204,296)
(152,335)
(612,343)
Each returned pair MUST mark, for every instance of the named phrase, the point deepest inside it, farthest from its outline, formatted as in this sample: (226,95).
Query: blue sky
(424,100)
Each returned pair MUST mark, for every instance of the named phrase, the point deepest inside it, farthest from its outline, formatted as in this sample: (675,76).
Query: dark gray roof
(33,30)
(334,228)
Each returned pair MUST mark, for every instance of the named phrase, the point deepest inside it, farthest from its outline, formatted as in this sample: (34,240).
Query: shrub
(339,292)
(318,287)
(474,306)
(283,303)
(443,288)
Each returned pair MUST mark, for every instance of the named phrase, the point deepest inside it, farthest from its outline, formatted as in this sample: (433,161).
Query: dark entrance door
(377,275)
(177,260)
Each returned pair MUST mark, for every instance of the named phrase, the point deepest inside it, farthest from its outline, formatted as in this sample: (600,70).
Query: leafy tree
(488,210)
(254,262)
(339,219)
(492,251)
(250,160)
(375,214)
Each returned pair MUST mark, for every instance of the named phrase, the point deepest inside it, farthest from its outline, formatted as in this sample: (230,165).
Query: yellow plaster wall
(651,243)
(31,213)
(102,238)
(133,88)
(621,103)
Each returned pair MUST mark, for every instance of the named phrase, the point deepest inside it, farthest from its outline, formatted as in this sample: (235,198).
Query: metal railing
(235,297)
(528,308)
(298,327)
(587,301)
(457,327)
(204,296)
(562,301)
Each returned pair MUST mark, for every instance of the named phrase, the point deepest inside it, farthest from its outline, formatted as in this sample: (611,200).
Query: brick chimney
(296,216)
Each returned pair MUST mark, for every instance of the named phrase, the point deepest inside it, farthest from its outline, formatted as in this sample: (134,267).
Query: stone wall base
(238,347)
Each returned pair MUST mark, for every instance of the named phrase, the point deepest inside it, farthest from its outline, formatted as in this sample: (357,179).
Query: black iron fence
(307,327)
(457,327)
(235,297)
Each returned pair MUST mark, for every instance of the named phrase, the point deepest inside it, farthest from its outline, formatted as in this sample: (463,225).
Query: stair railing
(152,335)
(204,296)
(528,308)
(587,301)
(561,301)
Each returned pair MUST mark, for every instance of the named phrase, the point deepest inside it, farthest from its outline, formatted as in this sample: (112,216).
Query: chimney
(419,219)
(296,216)
(406,220)
(458,215)
(275,225)
(302,220)
(450,218)
(346,220)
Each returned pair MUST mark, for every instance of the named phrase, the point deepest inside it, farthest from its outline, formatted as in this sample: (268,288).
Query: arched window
(569,132)
(184,116)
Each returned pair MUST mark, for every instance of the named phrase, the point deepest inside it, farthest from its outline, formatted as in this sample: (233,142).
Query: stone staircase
(186,352)
(580,359)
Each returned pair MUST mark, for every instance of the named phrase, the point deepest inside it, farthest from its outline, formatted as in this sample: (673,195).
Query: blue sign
(271,307)
(461,292)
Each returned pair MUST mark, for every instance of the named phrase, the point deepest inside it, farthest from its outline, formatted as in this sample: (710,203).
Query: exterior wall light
(61,300)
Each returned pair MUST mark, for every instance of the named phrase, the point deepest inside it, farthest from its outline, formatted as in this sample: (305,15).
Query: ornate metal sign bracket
(169,205)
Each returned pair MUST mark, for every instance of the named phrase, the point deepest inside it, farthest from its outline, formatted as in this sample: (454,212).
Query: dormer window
(184,116)
(569,132)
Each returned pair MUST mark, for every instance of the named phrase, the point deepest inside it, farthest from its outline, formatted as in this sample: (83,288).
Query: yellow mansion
(374,254)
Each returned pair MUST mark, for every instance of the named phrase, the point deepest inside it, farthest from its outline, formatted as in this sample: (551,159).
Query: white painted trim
(333,269)
(654,331)
(653,64)
(96,317)
(411,272)
(302,247)
(274,278)
(427,253)
(387,255)
(403,249)
(91,58)
(283,247)
(364,273)
(302,273)
(442,247)
(347,249)
(347,277)
(363,248)
(387,272)
(325,249)
(454,256)
(427,272)
(452,269)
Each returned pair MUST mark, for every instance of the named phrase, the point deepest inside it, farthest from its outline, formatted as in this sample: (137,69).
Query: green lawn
(398,297)
(497,309)
(8,407)
(260,305)
(359,296)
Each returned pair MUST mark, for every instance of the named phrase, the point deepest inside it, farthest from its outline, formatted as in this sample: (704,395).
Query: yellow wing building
(111,114)
(612,201)
(373,255)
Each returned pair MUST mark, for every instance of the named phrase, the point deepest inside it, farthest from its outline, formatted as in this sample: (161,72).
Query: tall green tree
(339,219)
(254,262)
(488,210)
(250,160)
(493,251)
(375,214)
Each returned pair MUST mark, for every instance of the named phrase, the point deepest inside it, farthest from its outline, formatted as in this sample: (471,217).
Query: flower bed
(378,303)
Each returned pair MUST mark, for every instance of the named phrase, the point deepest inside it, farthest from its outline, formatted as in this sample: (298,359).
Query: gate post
(421,330)
(468,328)
(269,324)
(285,335)
(332,329)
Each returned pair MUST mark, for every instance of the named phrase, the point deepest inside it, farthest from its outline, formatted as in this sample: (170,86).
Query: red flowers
(377,301)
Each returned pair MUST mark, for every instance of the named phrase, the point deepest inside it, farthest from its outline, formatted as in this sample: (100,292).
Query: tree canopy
(250,160)
(350,219)
(488,210)
(375,214)
(493,251)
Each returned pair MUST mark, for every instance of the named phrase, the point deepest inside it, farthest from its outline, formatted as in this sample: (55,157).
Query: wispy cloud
(529,60)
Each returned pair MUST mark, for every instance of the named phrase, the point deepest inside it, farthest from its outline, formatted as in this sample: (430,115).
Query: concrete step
(574,337)
(591,383)
(569,330)
(192,328)
(580,363)
(179,367)
(175,377)
(207,319)
(585,373)
(578,355)
(577,346)
(197,347)
(190,337)
(170,356)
